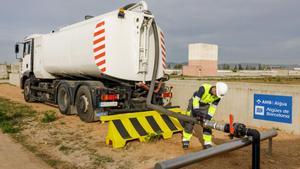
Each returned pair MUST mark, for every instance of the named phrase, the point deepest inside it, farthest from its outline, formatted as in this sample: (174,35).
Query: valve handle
(231,128)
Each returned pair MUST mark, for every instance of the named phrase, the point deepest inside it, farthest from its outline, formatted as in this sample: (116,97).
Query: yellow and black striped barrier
(139,126)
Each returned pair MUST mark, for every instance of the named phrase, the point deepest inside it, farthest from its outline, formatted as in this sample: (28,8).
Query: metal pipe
(270,145)
(207,153)
(255,147)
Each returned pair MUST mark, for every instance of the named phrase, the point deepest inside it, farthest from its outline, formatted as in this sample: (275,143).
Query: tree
(240,67)
(247,67)
(261,67)
(226,67)
(235,69)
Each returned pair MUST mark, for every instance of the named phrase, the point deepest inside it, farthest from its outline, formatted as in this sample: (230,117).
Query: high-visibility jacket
(204,97)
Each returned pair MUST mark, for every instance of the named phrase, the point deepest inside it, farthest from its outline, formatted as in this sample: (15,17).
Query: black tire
(27,91)
(64,99)
(84,105)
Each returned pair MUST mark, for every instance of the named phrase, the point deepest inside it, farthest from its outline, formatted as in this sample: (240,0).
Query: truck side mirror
(17,48)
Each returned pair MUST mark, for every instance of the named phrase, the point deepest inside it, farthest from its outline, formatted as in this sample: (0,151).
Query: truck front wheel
(64,99)
(27,91)
(84,104)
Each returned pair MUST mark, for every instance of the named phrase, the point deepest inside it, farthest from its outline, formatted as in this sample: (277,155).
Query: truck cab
(25,54)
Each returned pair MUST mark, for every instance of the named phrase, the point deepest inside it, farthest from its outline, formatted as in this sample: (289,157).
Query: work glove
(200,116)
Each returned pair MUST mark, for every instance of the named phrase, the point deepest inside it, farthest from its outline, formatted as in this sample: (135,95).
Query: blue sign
(273,108)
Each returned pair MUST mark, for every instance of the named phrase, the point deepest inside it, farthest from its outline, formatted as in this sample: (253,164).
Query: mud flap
(140,126)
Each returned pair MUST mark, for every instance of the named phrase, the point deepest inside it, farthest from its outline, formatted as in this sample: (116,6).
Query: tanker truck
(100,66)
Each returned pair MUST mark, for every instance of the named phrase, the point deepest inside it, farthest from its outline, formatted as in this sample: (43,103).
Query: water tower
(203,60)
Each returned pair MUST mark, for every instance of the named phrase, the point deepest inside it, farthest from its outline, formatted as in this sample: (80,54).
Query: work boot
(207,146)
(185,144)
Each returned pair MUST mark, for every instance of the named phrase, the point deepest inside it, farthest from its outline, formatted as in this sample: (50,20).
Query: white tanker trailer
(102,65)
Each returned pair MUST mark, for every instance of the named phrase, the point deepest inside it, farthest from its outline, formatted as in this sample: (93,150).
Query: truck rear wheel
(64,99)
(27,91)
(84,104)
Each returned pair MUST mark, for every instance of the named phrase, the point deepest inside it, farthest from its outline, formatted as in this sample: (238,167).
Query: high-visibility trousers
(189,126)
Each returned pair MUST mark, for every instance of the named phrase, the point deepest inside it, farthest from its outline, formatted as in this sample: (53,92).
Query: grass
(12,115)
(100,161)
(153,137)
(276,128)
(49,116)
(65,149)
(50,160)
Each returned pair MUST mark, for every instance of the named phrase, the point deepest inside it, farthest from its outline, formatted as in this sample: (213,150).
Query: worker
(203,107)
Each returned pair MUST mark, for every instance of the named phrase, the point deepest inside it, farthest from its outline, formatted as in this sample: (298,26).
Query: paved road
(14,156)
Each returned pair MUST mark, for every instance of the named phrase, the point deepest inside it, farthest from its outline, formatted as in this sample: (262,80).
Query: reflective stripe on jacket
(204,96)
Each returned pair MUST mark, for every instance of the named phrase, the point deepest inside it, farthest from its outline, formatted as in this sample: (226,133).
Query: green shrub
(12,115)
(153,137)
(49,116)
(9,127)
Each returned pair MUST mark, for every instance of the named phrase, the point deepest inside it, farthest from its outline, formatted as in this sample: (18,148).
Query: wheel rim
(83,104)
(26,90)
(63,99)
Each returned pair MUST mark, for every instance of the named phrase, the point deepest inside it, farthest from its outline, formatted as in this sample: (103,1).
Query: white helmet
(221,89)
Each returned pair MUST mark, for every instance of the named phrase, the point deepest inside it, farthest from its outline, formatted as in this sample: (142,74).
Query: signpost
(273,108)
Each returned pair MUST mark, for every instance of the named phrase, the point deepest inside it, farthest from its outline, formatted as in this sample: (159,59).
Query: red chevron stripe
(99,48)
(99,40)
(100,55)
(103,69)
(100,24)
(100,63)
(99,32)
(163,53)
(164,49)
(162,41)
(162,34)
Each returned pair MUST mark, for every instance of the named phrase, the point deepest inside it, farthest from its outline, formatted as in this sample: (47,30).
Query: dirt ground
(82,145)
(22,158)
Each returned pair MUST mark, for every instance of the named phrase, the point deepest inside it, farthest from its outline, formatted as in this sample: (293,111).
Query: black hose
(152,85)
(156,62)
(129,6)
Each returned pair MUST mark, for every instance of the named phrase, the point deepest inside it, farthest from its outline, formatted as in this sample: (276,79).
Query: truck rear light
(166,94)
(109,97)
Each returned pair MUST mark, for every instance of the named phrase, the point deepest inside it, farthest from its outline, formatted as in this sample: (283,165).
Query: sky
(253,31)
